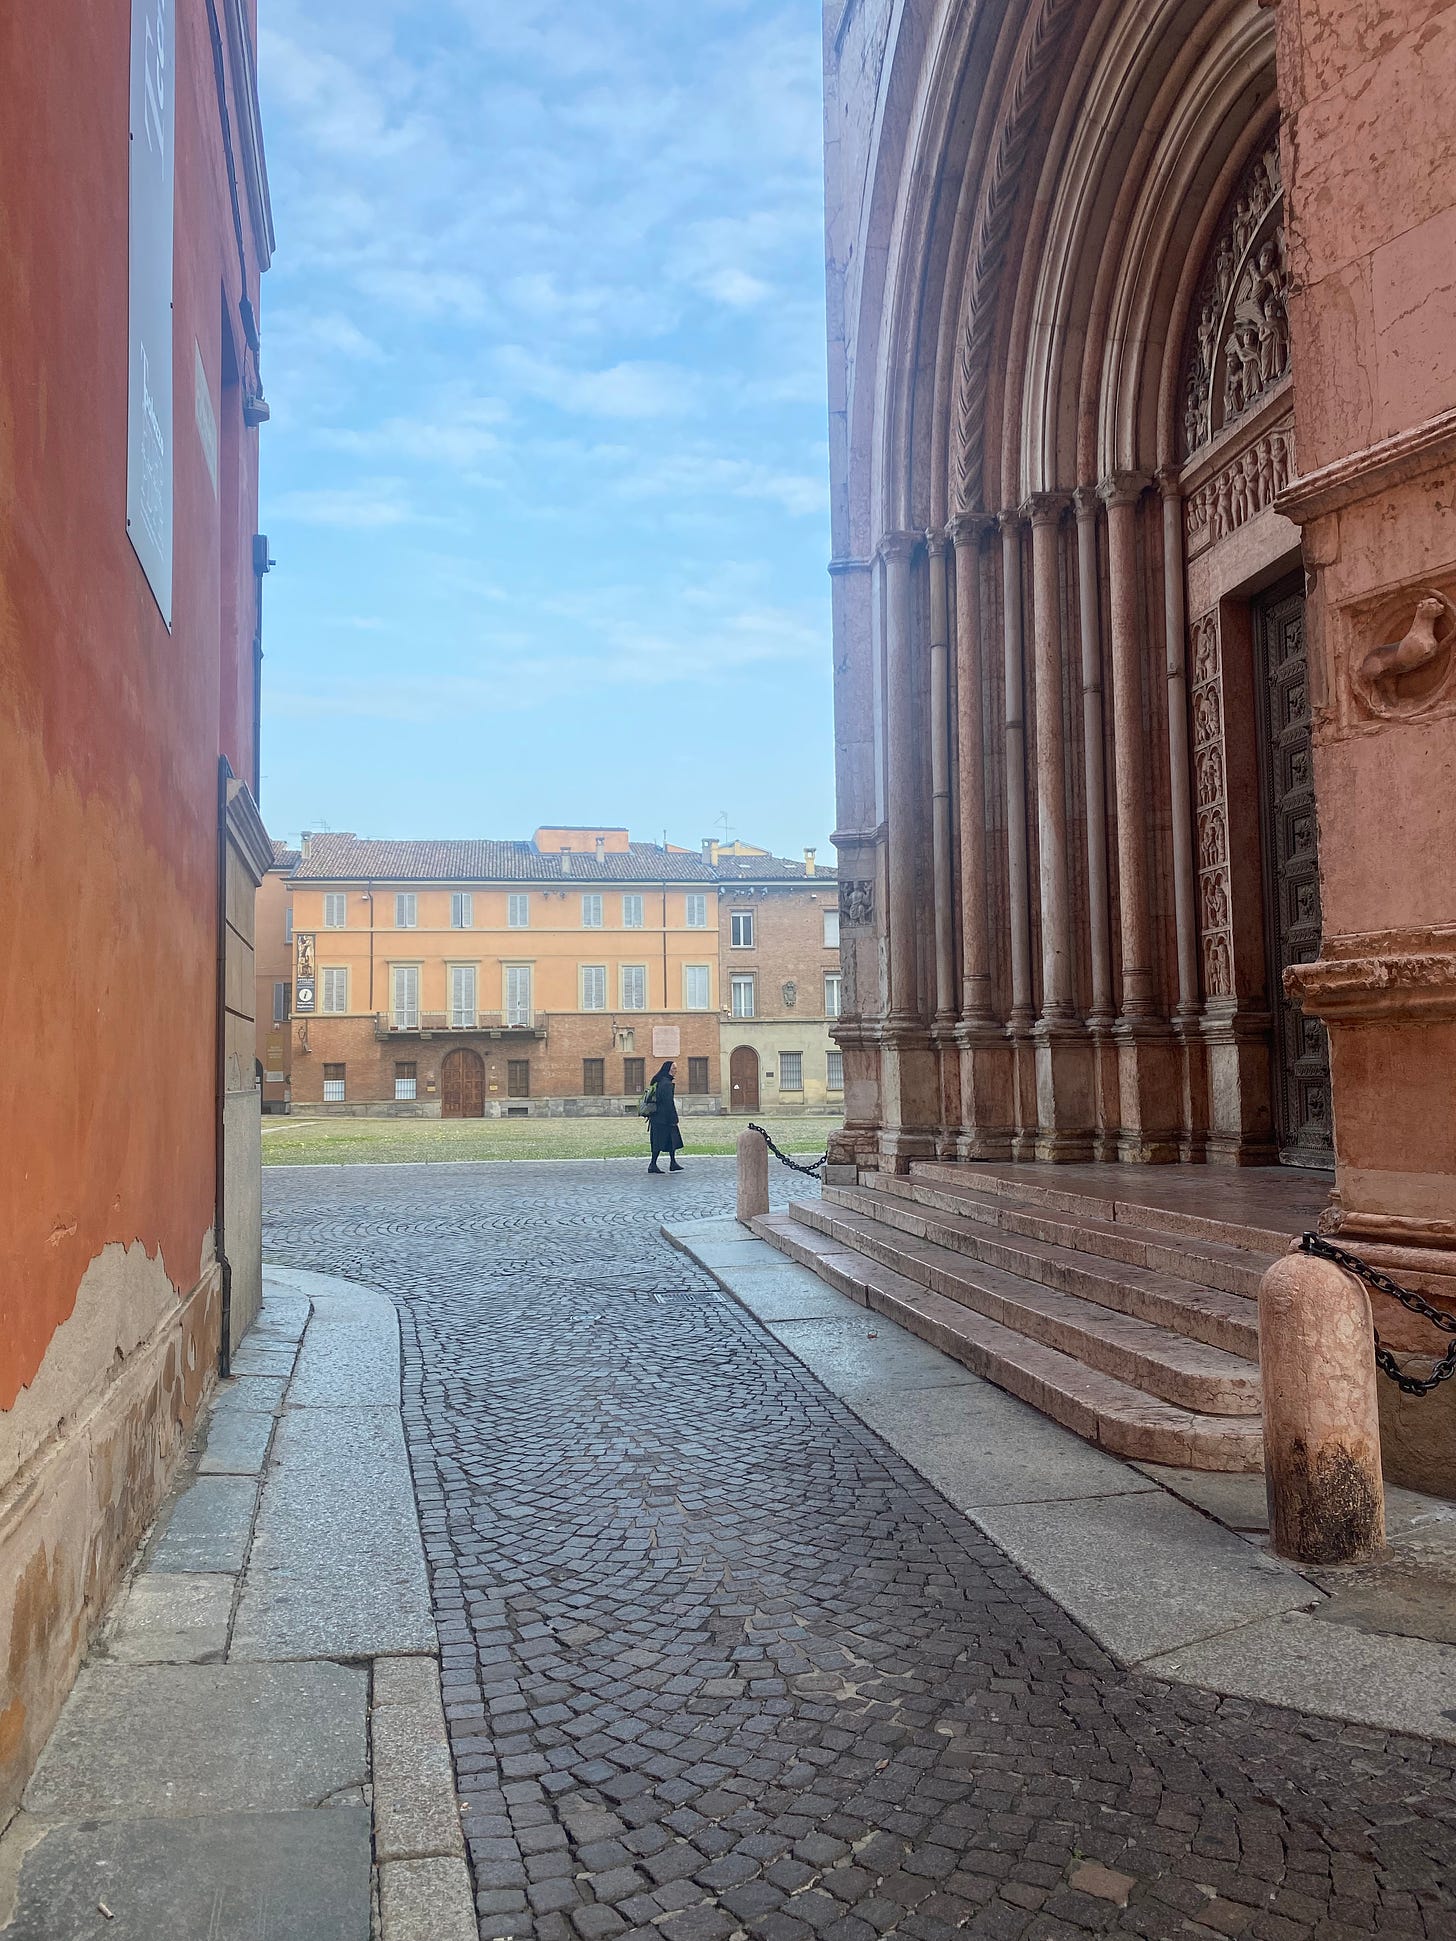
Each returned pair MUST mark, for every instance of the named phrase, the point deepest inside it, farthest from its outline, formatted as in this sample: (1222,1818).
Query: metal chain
(812,1170)
(1442,1370)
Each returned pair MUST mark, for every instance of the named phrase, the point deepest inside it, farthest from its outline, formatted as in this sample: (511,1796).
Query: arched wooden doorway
(743,1079)
(462,1084)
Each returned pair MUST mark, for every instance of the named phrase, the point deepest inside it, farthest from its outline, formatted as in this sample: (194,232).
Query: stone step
(1167,1299)
(1098,1206)
(1189,1374)
(1213,1263)
(1119,1418)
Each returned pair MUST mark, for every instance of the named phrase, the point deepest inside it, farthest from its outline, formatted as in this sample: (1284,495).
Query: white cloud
(359,508)
(635,388)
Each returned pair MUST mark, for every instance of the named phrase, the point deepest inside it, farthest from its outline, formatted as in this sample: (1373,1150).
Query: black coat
(663,1125)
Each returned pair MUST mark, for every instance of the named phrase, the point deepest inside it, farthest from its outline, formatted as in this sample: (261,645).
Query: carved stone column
(1149,1064)
(985,1055)
(937,548)
(1087,507)
(908,1066)
(1018,892)
(1064,1085)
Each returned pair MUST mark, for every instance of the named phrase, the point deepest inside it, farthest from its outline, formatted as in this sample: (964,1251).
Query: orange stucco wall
(110,726)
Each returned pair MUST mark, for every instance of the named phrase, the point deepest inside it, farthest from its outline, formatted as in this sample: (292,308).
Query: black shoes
(673,1167)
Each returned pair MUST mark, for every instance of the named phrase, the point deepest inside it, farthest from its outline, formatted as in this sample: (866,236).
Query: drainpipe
(666,1001)
(219,1198)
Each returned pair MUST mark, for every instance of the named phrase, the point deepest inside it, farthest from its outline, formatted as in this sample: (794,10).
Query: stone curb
(425,1891)
(1164,1587)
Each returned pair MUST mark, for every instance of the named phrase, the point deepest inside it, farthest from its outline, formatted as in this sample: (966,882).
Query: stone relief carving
(857,902)
(790,993)
(1250,481)
(1210,787)
(1240,346)
(1406,676)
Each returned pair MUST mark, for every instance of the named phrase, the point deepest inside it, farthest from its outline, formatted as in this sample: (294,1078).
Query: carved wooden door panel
(462,1085)
(1301,1087)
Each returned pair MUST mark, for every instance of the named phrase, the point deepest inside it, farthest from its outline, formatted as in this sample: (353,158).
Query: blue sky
(546,473)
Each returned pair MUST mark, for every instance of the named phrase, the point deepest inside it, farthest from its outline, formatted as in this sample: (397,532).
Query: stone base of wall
(73,1515)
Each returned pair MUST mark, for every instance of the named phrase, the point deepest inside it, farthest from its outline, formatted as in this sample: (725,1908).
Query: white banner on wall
(149,295)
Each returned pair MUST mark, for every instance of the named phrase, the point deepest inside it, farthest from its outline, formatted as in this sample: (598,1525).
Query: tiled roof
(284,857)
(347,859)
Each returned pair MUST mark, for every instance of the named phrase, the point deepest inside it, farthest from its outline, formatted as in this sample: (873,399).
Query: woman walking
(662,1121)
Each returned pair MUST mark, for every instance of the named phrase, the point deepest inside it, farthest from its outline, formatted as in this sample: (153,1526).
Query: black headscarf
(663,1071)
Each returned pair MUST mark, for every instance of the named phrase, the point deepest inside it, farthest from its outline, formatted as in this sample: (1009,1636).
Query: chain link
(811,1170)
(1442,1370)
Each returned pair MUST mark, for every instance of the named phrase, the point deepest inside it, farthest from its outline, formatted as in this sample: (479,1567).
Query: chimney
(305,841)
(601,849)
(808,862)
(566,862)
(712,852)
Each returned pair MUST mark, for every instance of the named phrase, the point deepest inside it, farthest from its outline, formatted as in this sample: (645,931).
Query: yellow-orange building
(273,973)
(482,978)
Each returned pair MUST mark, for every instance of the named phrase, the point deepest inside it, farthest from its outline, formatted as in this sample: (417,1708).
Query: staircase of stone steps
(1134,1326)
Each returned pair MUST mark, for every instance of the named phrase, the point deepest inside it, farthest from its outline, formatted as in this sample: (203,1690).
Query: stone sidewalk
(256,1746)
(1169,1569)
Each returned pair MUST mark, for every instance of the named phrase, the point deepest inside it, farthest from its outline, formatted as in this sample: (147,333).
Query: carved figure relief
(1249,482)
(1239,349)
(1211,789)
(1406,676)
(790,993)
(857,902)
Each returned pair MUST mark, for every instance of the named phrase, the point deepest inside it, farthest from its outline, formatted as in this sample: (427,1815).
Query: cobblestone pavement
(718,1662)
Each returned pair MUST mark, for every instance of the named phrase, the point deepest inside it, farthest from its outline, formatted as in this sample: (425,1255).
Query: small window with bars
(462,910)
(591,913)
(518,911)
(518,1078)
(835,1077)
(594,1078)
(791,1071)
(593,987)
(333,1084)
(406,910)
(336,910)
(406,1082)
(634,987)
(631,913)
(697,987)
(742,929)
(697,1074)
(334,996)
(697,910)
(634,1077)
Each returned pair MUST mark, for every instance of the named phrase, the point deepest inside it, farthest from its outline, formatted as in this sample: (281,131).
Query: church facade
(1143,446)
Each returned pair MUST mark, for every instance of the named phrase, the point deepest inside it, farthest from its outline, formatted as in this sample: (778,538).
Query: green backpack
(647,1104)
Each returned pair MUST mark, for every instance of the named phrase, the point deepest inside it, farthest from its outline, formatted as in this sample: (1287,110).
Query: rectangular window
(334,997)
(634,987)
(835,1080)
(697,987)
(335,910)
(518,911)
(591,913)
(518,1078)
(594,1078)
(463,1014)
(593,987)
(831,929)
(288,924)
(282,1002)
(791,1071)
(518,993)
(333,1084)
(742,987)
(405,1083)
(742,921)
(697,1074)
(404,997)
(462,910)
(634,1077)
(631,913)
(697,906)
(406,910)
(831,994)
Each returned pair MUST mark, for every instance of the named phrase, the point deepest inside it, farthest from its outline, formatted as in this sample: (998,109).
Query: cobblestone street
(716,1660)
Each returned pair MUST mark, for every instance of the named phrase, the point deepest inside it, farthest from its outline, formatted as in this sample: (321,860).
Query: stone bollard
(1321,1418)
(752,1176)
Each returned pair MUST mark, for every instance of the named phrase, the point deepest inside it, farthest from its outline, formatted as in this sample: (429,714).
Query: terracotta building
(501,979)
(1143,428)
(273,979)
(778,945)
(136,230)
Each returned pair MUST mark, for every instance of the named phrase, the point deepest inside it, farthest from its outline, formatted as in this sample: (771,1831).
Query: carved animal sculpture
(1415,649)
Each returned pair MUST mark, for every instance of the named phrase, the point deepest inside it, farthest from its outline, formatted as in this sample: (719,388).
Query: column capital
(1011,519)
(1168,482)
(1046,508)
(1123,488)
(1086,502)
(937,541)
(970,528)
(897,545)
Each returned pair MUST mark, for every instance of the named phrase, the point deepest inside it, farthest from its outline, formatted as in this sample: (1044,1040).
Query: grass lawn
(419,1142)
